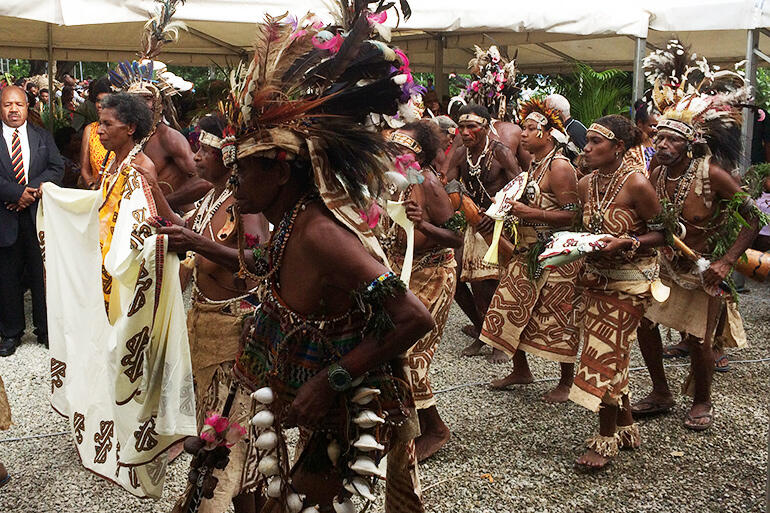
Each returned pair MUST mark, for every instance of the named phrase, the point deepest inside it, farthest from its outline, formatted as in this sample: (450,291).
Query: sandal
(629,436)
(722,368)
(689,420)
(675,352)
(647,407)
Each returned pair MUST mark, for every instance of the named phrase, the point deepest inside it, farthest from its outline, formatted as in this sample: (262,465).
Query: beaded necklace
(683,187)
(268,265)
(600,203)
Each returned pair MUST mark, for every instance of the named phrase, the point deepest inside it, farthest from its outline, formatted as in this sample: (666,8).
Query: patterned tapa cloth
(534,315)
(434,278)
(132,397)
(615,294)
(686,309)
(474,267)
(5,408)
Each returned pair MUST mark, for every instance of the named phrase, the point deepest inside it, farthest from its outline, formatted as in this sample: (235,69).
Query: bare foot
(512,379)
(592,460)
(498,356)
(470,330)
(474,349)
(4,477)
(427,444)
(560,394)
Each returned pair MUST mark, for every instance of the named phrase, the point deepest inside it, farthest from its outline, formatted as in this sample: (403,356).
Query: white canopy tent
(545,36)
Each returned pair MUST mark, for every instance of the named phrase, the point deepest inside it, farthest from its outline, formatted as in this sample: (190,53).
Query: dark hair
(623,129)
(63,137)
(30,85)
(43,90)
(67,94)
(475,108)
(97,87)
(31,99)
(426,134)
(642,111)
(131,110)
(213,124)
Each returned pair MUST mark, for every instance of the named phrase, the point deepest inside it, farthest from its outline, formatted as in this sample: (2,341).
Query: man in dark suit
(28,157)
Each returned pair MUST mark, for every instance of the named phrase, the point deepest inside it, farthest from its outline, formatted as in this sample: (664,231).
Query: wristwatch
(339,378)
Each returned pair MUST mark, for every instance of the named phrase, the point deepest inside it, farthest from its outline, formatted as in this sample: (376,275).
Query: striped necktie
(16,159)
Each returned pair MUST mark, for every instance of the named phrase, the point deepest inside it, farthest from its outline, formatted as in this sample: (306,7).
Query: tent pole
(747,131)
(440,81)
(51,66)
(640,49)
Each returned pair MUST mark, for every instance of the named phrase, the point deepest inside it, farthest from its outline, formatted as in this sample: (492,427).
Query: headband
(537,117)
(601,130)
(474,118)
(406,141)
(210,140)
(679,128)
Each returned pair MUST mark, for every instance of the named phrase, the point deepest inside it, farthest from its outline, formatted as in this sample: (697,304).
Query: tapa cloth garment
(124,384)
(5,408)
(214,332)
(474,267)
(686,310)
(434,278)
(615,294)
(534,315)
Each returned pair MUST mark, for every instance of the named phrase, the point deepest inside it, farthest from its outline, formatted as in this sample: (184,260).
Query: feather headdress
(493,82)
(700,103)
(307,91)
(547,118)
(147,76)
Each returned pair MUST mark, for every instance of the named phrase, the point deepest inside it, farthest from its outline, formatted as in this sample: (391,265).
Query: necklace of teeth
(207,210)
(475,169)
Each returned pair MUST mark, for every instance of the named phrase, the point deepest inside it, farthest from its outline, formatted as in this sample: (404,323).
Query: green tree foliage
(593,94)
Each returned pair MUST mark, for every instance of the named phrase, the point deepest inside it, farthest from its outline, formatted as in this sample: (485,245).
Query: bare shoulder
(324,235)
(655,173)
(583,185)
(562,168)
(144,161)
(638,181)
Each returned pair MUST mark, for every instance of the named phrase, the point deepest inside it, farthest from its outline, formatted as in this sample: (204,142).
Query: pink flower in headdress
(234,434)
(378,18)
(325,41)
(208,436)
(217,422)
(299,33)
(406,161)
(475,86)
(405,64)
(452,75)
(372,217)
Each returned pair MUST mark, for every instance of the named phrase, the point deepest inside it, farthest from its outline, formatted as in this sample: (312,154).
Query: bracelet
(629,254)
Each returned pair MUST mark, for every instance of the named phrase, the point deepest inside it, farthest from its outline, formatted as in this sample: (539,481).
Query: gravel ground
(509,451)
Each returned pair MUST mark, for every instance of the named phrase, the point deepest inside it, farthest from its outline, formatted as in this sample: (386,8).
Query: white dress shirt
(24,140)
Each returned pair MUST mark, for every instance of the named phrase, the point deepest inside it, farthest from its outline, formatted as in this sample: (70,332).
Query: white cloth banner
(126,386)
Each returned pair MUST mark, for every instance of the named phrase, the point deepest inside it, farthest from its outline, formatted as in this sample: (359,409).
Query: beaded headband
(473,118)
(537,117)
(678,128)
(601,130)
(210,140)
(406,141)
